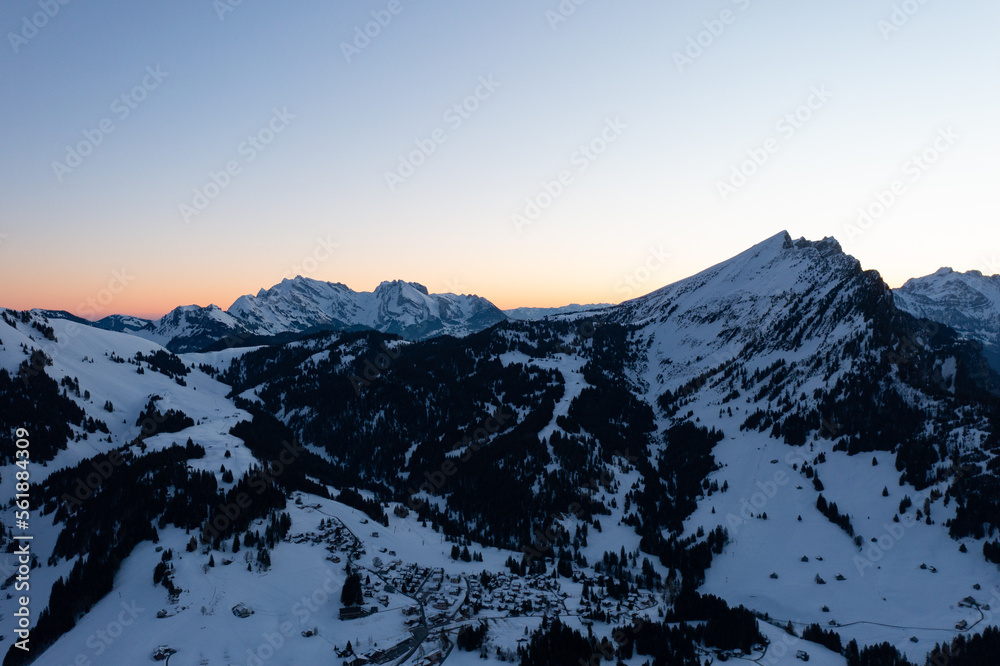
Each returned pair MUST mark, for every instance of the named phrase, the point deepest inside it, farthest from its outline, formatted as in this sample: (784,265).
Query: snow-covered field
(906,583)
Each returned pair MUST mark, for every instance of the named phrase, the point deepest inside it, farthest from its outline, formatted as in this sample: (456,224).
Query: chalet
(353,613)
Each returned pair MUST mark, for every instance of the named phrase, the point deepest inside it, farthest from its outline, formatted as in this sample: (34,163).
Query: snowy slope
(88,354)
(124,323)
(760,303)
(776,330)
(885,596)
(404,308)
(803,304)
(298,593)
(192,327)
(85,353)
(967,302)
(184,329)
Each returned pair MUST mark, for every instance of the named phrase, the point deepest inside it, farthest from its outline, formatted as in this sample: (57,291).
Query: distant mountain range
(781,432)
(967,302)
(304,305)
(534,314)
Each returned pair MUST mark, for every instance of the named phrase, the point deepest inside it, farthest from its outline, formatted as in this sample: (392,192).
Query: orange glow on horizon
(155,303)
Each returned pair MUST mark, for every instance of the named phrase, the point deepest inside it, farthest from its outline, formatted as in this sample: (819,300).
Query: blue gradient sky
(654,191)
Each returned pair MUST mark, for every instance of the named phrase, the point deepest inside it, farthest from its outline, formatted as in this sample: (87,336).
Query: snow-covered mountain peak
(972,291)
(689,430)
(828,246)
(779,296)
(181,310)
(406,308)
(395,285)
(968,302)
(777,266)
(124,323)
(298,289)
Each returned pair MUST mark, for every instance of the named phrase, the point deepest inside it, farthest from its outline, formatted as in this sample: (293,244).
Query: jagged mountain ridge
(759,301)
(968,302)
(596,403)
(301,305)
(842,346)
(796,329)
(402,308)
(124,323)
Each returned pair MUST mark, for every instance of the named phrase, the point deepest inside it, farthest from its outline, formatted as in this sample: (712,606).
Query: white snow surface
(967,302)
(302,303)
(904,582)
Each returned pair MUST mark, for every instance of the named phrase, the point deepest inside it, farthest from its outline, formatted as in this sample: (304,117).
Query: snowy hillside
(800,323)
(773,297)
(191,327)
(124,323)
(765,461)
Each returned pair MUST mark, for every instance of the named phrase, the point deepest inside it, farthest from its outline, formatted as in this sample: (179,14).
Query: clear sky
(120,120)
